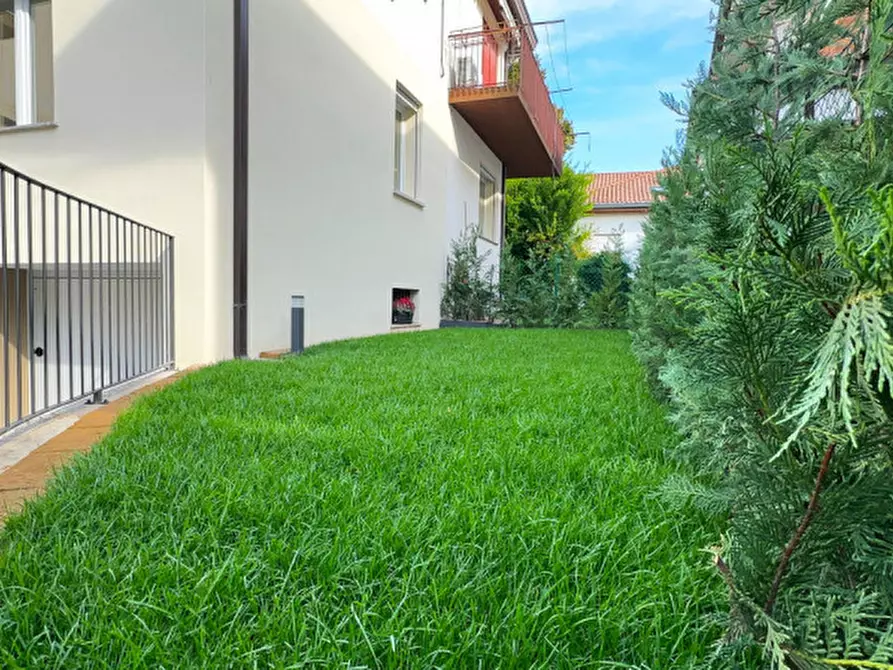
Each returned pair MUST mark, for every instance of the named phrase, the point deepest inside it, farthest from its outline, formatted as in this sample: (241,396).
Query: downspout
(504,208)
(240,180)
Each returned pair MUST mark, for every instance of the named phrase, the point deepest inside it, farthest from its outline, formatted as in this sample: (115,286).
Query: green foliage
(590,270)
(567,127)
(539,284)
(541,293)
(762,309)
(452,499)
(542,214)
(607,307)
(607,277)
(469,293)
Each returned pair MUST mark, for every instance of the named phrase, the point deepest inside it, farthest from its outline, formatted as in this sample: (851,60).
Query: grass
(455,499)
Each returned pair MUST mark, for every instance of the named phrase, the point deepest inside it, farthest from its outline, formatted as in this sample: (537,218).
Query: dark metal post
(29,283)
(240,179)
(171,309)
(83,309)
(18,295)
(101,310)
(131,357)
(57,331)
(70,307)
(4,268)
(503,210)
(297,324)
(120,291)
(97,398)
(46,297)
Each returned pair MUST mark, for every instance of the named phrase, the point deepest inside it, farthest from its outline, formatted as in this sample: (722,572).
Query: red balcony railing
(501,63)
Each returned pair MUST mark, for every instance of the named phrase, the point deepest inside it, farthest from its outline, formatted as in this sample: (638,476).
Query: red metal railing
(504,61)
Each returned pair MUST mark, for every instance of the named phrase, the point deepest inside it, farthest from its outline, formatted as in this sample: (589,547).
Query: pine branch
(863,665)
(801,530)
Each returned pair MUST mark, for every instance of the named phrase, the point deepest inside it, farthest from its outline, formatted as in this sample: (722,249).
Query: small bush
(607,277)
(608,306)
(469,293)
(590,270)
(539,293)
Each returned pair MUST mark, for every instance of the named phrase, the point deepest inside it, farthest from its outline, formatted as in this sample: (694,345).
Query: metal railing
(86,299)
(503,60)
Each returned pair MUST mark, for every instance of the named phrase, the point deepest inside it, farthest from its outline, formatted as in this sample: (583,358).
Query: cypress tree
(762,310)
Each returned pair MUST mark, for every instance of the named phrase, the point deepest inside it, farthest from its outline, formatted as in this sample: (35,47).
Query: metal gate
(86,299)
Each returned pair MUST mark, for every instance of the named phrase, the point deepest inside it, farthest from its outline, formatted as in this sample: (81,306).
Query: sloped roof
(853,25)
(622,189)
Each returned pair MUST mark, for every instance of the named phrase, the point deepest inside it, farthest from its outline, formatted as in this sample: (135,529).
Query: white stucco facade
(606,227)
(143,125)
(138,131)
(324,220)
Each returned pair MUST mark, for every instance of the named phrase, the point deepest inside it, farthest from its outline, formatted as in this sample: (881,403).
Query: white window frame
(409,126)
(25,65)
(492,208)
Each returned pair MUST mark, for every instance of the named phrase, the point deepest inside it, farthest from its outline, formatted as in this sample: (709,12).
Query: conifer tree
(763,309)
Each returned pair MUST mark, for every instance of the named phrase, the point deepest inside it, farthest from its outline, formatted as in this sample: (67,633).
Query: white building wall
(143,103)
(218,180)
(135,134)
(467,14)
(463,211)
(603,228)
(324,221)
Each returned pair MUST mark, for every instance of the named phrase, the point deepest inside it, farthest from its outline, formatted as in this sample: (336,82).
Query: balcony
(496,85)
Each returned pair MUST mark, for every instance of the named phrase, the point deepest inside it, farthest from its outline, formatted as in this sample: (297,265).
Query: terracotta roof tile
(622,188)
(846,45)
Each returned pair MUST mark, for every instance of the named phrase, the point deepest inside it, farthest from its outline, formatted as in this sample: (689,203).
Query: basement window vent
(404,306)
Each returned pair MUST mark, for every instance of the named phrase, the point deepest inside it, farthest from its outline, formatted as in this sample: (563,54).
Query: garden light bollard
(297,324)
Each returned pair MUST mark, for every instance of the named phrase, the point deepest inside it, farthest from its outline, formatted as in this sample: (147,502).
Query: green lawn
(457,499)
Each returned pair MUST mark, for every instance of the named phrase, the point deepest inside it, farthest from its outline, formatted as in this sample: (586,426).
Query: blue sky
(620,55)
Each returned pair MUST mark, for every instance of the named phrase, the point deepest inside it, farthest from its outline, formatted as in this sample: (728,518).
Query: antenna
(589,143)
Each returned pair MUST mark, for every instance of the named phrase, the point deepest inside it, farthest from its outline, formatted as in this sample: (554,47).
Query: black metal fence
(86,299)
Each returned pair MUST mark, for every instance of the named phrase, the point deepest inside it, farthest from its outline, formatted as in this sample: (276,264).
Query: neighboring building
(620,205)
(829,102)
(329,149)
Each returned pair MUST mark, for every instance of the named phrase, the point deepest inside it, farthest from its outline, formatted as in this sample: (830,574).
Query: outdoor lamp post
(297,324)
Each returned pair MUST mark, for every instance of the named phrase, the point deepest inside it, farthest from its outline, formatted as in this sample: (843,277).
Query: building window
(26,62)
(404,306)
(488,214)
(407,144)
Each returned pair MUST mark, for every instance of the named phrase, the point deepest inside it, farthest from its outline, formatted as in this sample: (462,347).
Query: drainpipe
(504,208)
(240,179)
